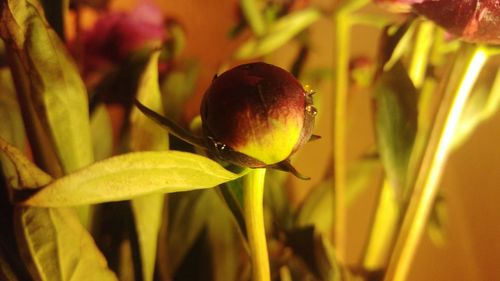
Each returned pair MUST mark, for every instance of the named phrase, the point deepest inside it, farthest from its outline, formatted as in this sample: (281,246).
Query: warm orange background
(471,183)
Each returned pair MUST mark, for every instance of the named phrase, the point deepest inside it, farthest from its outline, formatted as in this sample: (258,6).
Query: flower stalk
(341,26)
(254,219)
(466,69)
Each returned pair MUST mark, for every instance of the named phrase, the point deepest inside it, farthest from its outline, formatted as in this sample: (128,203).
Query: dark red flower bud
(472,20)
(256,115)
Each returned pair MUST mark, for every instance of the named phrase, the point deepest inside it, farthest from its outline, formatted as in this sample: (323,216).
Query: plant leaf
(55,246)
(278,34)
(11,127)
(276,200)
(50,85)
(396,41)
(178,87)
(436,227)
(395,123)
(102,133)
(188,215)
(224,241)
(147,135)
(317,208)
(254,16)
(26,175)
(147,211)
(131,175)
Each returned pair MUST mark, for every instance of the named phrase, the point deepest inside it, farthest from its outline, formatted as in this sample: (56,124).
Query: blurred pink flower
(118,34)
(470,20)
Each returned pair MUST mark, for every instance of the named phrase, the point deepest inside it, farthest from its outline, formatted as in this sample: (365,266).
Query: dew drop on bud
(311,110)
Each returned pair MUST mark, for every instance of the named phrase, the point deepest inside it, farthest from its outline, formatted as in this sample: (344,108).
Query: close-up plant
(348,140)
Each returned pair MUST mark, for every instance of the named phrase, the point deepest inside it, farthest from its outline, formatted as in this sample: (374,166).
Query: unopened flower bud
(256,115)
(475,21)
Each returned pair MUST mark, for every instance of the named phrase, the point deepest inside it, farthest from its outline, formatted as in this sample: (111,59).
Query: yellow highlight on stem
(426,185)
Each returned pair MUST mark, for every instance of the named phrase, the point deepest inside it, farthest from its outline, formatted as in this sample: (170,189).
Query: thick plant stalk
(420,53)
(383,230)
(341,26)
(465,71)
(254,218)
(387,215)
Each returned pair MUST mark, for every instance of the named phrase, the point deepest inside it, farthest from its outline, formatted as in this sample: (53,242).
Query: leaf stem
(171,126)
(341,26)
(254,218)
(384,229)
(469,63)
(388,212)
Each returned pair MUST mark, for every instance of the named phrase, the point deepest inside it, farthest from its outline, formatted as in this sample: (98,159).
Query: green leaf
(278,34)
(147,135)
(276,199)
(131,175)
(225,242)
(52,91)
(11,127)
(188,215)
(102,133)
(234,204)
(395,42)
(25,174)
(254,16)
(395,123)
(177,88)
(317,208)
(436,227)
(147,211)
(55,246)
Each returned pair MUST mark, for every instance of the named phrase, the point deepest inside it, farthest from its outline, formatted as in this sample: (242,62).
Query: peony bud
(472,20)
(256,115)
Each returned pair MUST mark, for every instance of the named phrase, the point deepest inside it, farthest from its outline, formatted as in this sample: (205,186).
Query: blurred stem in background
(388,213)
(254,218)
(253,16)
(341,26)
(420,52)
(468,64)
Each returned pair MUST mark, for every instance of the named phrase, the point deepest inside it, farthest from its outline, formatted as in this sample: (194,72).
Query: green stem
(387,215)
(464,74)
(254,218)
(341,27)
(383,230)
(341,65)
(420,53)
